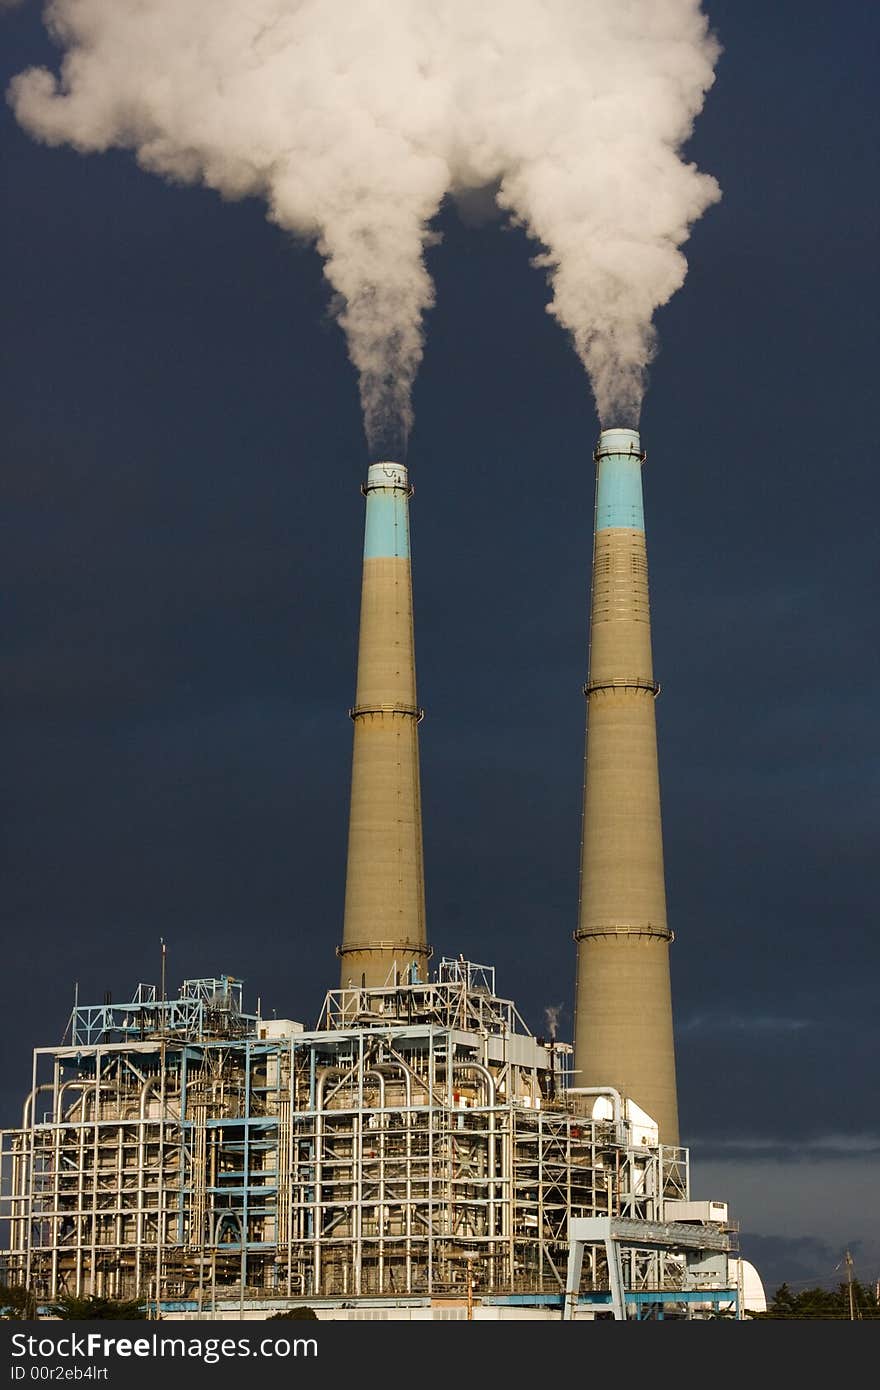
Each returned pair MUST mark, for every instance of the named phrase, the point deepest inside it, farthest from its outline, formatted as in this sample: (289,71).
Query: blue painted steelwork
(523,1300)
(204,1008)
(602,1297)
(387,527)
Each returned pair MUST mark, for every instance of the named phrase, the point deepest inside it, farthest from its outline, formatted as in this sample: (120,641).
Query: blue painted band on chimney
(619,493)
(386,534)
(619,483)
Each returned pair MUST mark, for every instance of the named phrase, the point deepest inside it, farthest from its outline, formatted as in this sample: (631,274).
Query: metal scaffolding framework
(419,1142)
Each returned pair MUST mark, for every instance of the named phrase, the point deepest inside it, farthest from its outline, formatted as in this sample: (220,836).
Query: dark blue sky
(182,527)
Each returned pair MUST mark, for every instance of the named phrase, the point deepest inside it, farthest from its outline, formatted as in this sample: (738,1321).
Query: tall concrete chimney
(623,1004)
(384,929)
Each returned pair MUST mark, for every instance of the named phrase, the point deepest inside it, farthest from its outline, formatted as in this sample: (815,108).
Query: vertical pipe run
(623,1008)
(384,927)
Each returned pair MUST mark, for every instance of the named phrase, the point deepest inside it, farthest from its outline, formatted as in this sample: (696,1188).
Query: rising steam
(353,119)
(551,1018)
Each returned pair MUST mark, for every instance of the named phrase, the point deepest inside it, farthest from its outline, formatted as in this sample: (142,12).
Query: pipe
(616,1097)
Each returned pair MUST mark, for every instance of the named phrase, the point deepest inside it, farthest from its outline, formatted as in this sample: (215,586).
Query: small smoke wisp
(552,1014)
(353,119)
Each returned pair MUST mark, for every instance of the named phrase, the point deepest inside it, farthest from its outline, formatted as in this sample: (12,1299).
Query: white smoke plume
(353,119)
(551,1017)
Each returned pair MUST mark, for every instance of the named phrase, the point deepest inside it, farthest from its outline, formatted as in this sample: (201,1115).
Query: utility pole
(848,1261)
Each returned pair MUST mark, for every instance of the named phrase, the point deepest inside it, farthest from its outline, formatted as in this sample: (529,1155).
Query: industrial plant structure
(419,1153)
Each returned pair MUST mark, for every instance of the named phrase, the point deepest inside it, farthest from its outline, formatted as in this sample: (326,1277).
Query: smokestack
(623,1006)
(384,930)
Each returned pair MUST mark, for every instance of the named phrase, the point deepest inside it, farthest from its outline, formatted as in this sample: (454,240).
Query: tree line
(824,1303)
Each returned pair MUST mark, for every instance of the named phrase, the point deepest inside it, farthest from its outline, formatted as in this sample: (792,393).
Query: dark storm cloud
(800,1261)
(180,553)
